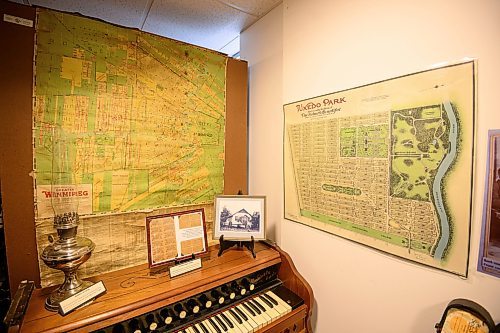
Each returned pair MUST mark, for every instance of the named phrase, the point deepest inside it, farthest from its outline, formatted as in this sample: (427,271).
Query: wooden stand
(226,244)
(184,259)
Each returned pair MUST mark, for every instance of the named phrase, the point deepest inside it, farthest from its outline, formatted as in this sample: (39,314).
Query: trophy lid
(66,220)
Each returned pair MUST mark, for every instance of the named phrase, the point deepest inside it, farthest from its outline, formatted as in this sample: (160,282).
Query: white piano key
(221,323)
(229,328)
(268,316)
(189,330)
(235,328)
(279,300)
(213,321)
(279,307)
(262,315)
(198,328)
(250,320)
(208,326)
(243,326)
(270,310)
(255,317)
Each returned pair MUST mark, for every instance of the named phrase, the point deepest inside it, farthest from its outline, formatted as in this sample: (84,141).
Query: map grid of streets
(126,124)
(381,165)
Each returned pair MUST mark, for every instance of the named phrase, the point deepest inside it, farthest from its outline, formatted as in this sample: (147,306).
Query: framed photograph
(238,217)
(176,236)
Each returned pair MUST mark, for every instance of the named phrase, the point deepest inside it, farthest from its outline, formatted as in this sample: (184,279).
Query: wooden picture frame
(176,236)
(239,217)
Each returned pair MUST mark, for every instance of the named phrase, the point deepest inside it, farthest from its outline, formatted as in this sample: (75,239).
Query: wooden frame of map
(176,236)
(239,217)
(489,249)
(388,164)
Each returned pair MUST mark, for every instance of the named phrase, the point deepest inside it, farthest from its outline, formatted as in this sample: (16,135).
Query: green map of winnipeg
(140,117)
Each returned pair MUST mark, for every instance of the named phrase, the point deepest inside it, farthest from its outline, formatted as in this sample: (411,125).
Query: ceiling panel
(129,13)
(182,20)
(257,8)
(214,24)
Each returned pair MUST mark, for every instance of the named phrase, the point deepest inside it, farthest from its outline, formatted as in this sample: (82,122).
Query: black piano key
(205,330)
(254,307)
(228,322)
(288,296)
(275,302)
(214,325)
(265,300)
(241,313)
(221,323)
(261,307)
(195,329)
(249,309)
(236,317)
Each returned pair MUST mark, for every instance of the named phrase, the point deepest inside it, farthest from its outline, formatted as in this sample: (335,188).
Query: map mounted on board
(126,124)
(388,165)
(141,117)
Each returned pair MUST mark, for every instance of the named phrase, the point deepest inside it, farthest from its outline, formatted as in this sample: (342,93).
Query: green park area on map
(420,142)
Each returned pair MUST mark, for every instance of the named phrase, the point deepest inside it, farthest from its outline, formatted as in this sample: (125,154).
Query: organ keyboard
(234,293)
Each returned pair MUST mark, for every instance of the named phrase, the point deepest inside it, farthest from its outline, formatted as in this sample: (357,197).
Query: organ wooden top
(134,291)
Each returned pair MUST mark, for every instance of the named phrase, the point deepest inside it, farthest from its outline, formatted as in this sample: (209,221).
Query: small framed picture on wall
(239,217)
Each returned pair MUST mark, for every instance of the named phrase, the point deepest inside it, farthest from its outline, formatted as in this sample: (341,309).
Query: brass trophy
(66,254)
(69,251)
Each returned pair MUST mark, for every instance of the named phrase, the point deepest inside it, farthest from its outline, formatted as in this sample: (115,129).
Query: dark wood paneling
(16,161)
(236,159)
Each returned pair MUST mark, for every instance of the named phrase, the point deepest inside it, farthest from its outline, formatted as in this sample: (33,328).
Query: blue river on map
(436,186)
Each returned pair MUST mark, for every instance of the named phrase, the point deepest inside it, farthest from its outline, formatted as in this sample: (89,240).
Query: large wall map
(388,165)
(124,121)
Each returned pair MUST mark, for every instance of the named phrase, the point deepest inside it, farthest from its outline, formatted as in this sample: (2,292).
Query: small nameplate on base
(185,267)
(81,298)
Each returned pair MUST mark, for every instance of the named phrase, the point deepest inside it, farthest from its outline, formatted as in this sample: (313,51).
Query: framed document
(176,236)
(239,217)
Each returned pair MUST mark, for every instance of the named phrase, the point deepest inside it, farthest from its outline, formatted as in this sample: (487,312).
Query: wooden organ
(234,293)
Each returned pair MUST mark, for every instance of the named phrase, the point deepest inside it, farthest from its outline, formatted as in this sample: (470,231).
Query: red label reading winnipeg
(65,193)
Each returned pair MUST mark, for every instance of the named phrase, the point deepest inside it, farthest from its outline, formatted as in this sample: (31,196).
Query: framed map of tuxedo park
(388,165)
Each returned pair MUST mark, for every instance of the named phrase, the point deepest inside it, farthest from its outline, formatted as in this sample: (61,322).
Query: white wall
(329,46)
(261,45)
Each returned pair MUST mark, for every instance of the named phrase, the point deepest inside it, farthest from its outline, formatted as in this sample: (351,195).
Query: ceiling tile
(209,23)
(231,48)
(214,24)
(257,8)
(129,13)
